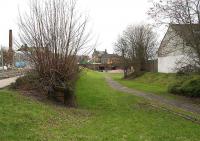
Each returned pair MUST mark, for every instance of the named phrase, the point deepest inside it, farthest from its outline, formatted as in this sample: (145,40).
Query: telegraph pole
(2,62)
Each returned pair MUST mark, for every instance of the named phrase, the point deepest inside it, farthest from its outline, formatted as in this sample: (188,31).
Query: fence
(152,66)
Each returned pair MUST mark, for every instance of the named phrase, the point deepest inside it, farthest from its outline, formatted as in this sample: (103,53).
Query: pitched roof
(180,27)
(99,53)
(187,32)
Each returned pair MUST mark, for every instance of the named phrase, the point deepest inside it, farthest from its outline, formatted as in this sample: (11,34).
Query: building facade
(105,61)
(173,50)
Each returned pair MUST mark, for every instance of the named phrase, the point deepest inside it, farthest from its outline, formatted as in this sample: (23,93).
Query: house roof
(99,52)
(180,27)
(185,31)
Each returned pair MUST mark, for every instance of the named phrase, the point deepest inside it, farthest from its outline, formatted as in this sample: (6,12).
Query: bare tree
(6,58)
(184,18)
(53,33)
(136,45)
(121,48)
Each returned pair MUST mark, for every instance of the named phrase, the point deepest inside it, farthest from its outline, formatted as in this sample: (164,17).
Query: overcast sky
(107,17)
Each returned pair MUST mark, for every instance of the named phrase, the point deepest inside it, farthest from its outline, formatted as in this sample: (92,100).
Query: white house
(172,49)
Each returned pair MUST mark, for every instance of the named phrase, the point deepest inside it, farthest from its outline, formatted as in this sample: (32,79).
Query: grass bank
(102,115)
(151,82)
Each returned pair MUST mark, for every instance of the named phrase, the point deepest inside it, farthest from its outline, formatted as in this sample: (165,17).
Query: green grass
(103,114)
(151,82)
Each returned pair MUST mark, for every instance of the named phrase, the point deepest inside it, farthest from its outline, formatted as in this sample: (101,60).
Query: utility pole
(2,62)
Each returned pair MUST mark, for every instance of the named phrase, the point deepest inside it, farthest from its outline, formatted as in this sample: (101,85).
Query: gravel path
(178,103)
(7,81)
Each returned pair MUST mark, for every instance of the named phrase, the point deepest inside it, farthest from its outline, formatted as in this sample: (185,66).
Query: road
(7,81)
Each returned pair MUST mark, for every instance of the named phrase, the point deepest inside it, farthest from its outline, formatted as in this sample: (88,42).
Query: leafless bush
(53,33)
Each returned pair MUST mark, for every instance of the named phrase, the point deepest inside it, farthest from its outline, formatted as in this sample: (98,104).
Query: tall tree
(136,45)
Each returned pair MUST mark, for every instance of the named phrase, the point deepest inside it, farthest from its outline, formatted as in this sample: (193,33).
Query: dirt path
(178,103)
(7,81)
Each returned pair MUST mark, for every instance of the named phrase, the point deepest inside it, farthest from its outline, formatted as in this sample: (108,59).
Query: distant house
(112,59)
(105,61)
(97,55)
(173,48)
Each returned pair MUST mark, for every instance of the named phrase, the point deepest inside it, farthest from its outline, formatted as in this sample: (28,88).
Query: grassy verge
(151,82)
(103,115)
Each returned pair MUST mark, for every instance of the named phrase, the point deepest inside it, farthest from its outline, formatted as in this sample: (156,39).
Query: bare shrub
(53,33)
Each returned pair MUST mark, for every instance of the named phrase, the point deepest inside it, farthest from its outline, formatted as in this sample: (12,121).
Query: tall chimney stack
(10,40)
(10,50)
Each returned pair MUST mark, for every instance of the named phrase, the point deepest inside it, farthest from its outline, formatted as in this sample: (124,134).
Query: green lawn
(103,114)
(151,82)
